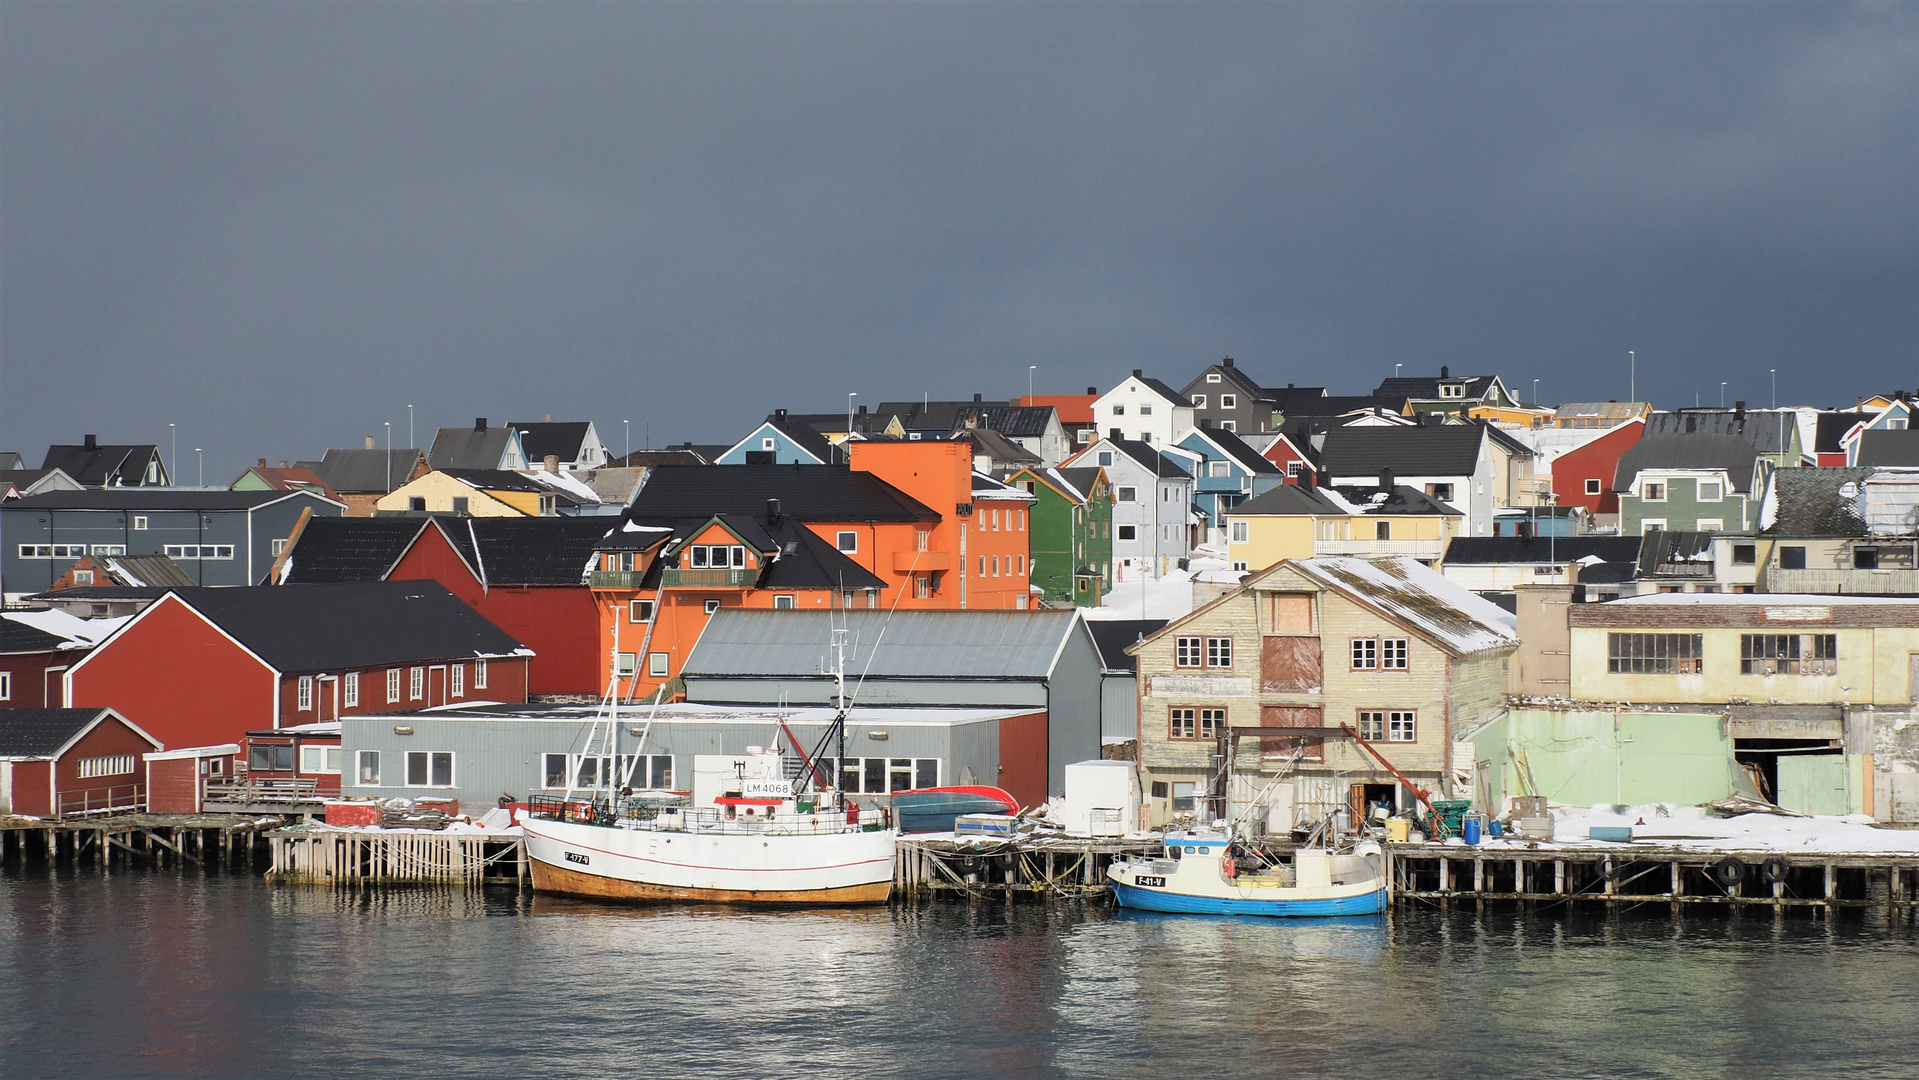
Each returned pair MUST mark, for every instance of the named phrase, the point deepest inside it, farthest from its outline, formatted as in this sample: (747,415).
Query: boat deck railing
(650,815)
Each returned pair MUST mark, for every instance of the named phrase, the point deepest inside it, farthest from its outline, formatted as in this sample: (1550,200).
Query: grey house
(216,537)
(480,754)
(1029,660)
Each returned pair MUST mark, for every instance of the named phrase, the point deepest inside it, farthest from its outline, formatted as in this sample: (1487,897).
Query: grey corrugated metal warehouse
(479,754)
(976,659)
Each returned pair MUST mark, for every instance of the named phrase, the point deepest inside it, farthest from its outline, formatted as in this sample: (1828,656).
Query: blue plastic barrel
(1471,830)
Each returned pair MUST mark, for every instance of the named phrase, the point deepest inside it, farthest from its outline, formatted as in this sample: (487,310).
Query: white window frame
(392,685)
(1718,491)
(1647,525)
(455,680)
(783,602)
(139,523)
(1709,525)
(416,683)
(1229,425)
(109,549)
(1594,486)
(626,664)
(306,693)
(1124,529)
(479,673)
(350,690)
(1199,401)
(1452,390)
(361,759)
(6,686)
(315,758)
(639,611)
(1229,401)
(427,760)
(847,541)
(1648,488)
(1402,725)
(712,605)
(658,664)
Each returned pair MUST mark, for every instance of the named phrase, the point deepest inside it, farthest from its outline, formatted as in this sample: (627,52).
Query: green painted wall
(1682,509)
(1093,538)
(1065,535)
(1586,757)
(1815,784)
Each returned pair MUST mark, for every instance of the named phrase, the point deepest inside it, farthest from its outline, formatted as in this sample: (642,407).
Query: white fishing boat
(1196,873)
(763,828)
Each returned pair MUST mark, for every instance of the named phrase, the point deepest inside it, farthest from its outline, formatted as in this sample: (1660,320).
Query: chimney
(976,398)
(862,410)
(553,463)
(1116,434)
(1228,362)
(1137,374)
(283,465)
(369,442)
(549,418)
(479,423)
(93,442)
(1385,479)
(1739,410)
(772,511)
(263,463)
(778,414)
(1092,391)
(1442,372)
(1015,403)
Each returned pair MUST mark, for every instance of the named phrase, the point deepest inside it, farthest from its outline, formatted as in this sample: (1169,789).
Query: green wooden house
(1071,544)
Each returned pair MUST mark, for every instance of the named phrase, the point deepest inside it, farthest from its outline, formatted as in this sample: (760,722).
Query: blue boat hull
(935,811)
(1133,896)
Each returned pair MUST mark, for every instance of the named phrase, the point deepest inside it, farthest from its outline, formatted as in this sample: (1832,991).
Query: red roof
(292,479)
(1072,408)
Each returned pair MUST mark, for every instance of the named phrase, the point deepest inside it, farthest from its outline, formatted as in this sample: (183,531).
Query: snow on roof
(83,633)
(564,481)
(1419,598)
(1765,600)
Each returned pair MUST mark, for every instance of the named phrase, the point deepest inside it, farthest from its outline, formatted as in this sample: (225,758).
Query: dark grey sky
(277,224)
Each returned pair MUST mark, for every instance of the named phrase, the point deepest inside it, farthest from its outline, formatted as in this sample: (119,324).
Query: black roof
(1114,635)
(1426,387)
(104,592)
(1831,426)
(1673,553)
(1768,431)
(497,480)
(563,439)
(805,436)
(1811,502)
(16,638)
(1402,499)
(1018,421)
(470,448)
(102,465)
(1731,453)
(158,498)
(1309,405)
(806,561)
(365,471)
(1539,549)
(42,732)
(1889,448)
(672,455)
(315,628)
(1424,450)
(1236,448)
(824,493)
(1082,477)
(334,549)
(1161,465)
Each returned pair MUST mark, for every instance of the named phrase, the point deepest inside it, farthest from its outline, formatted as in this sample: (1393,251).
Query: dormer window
(1452,390)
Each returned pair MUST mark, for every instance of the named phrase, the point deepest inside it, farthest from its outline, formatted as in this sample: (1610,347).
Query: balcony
(922,562)
(615,579)
(1379,549)
(708,579)
(1848,582)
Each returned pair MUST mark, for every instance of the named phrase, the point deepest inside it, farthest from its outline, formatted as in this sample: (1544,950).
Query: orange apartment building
(908,525)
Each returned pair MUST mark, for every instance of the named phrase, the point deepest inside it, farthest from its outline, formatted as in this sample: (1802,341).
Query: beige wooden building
(1386,647)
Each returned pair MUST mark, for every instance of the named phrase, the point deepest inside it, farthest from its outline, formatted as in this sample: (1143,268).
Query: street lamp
(410,443)
(849,425)
(1030,369)
(173,461)
(1722,393)
(1396,368)
(389,454)
(628,425)
(1535,393)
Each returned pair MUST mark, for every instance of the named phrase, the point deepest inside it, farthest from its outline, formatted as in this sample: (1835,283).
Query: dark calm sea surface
(167,975)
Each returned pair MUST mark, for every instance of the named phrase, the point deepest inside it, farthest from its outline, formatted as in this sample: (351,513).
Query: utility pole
(849,425)
(628,425)
(203,465)
(1632,384)
(389,454)
(173,460)
(411,442)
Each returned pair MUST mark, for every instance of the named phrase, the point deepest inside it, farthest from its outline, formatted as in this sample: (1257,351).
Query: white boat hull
(710,867)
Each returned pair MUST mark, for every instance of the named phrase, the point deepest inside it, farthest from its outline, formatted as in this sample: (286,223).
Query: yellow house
(1300,522)
(472,492)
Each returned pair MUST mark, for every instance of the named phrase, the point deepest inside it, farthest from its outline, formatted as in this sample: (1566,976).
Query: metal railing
(614,579)
(102,800)
(1844,582)
(627,812)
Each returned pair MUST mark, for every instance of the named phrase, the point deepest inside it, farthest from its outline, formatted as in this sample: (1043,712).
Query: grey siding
(961,692)
(1119,706)
(1073,708)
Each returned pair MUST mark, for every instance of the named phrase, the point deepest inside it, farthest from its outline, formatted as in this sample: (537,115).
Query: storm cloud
(278,224)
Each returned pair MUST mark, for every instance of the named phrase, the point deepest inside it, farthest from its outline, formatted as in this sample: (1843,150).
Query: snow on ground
(1665,826)
(1144,598)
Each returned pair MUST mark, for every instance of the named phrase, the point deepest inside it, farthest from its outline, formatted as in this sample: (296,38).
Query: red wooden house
(206,665)
(177,779)
(67,761)
(299,755)
(33,659)
(527,576)
(1289,452)
(1584,476)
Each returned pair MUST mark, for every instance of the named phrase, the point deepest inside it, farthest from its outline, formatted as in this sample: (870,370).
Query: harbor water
(168,975)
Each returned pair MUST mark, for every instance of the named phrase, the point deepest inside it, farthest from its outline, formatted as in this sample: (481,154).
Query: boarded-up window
(1291,716)
(1292,613)
(1289,664)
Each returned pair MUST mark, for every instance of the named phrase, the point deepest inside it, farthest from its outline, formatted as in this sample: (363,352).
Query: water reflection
(165,975)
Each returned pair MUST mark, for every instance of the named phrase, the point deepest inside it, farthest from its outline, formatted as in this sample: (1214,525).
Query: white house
(1143,410)
(1154,524)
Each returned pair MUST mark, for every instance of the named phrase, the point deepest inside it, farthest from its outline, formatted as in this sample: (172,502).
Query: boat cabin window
(1191,850)
(1172,851)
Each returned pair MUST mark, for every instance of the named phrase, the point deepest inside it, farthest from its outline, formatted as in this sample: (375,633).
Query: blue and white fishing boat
(1195,873)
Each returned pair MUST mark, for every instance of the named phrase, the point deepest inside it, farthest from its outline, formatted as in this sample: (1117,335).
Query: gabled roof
(298,629)
(470,448)
(1401,501)
(812,493)
(1600,410)
(1114,635)
(1309,406)
(17,638)
(806,561)
(686,454)
(362,472)
(1084,479)
(1482,550)
(495,480)
(1710,452)
(145,571)
(1674,553)
(1291,500)
(157,498)
(1829,427)
(25,480)
(1811,503)
(801,434)
(287,478)
(1418,598)
(918,645)
(334,549)
(1157,387)
(1233,447)
(1426,387)
(1889,448)
(102,465)
(565,439)
(1072,408)
(1143,454)
(998,447)
(1015,421)
(1767,431)
(1228,374)
(46,733)
(1424,450)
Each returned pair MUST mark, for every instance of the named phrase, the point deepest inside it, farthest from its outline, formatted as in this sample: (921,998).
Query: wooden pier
(1035,867)
(317,854)
(1615,874)
(150,840)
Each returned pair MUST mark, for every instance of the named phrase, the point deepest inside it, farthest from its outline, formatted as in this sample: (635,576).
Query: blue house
(781,440)
(1226,472)
(217,537)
